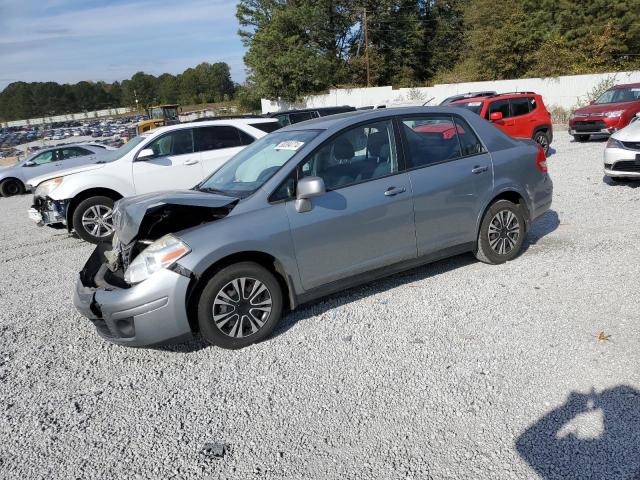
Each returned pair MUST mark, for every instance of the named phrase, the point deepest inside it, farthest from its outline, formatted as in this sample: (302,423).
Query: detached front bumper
(46,211)
(149,313)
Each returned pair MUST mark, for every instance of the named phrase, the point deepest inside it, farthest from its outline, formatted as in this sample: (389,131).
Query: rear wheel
(502,233)
(240,305)
(582,138)
(543,140)
(11,187)
(92,219)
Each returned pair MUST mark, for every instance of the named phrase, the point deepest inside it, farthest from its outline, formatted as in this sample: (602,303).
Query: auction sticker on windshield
(289,145)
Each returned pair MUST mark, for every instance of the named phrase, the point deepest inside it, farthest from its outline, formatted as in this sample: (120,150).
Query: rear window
(267,127)
(475,107)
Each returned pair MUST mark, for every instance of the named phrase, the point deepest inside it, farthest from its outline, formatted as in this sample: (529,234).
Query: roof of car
(497,95)
(211,123)
(318,109)
(627,85)
(340,120)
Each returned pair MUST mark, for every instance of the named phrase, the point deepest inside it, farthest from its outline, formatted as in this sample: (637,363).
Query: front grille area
(627,166)
(632,145)
(589,126)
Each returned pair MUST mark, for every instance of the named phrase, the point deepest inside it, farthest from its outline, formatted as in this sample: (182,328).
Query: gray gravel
(454,370)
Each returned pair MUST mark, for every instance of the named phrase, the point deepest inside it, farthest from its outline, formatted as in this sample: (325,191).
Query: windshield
(475,107)
(252,167)
(618,95)
(111,155)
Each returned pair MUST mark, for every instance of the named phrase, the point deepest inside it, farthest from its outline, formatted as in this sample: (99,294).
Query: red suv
(612,111)
(520,115)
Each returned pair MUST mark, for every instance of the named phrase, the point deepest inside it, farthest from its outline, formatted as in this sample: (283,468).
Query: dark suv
(519,115)
(290,117)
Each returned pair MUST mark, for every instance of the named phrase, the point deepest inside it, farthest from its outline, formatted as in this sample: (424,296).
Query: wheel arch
(16,179)
(513,196)
(266,260)
(90,192)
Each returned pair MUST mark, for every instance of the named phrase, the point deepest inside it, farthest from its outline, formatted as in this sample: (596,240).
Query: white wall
(563,92)
(69,117)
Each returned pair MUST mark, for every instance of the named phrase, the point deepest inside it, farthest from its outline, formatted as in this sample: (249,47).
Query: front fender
(264,231)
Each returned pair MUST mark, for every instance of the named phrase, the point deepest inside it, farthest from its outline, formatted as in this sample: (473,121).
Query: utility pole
(366,47)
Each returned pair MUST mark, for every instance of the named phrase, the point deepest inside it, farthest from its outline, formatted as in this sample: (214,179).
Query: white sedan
(622,153)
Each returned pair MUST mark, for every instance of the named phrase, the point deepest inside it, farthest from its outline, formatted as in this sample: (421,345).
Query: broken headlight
(162,253)
(45,188)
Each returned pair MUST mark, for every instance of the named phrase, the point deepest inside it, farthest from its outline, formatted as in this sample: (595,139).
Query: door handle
(191,162)
(391,191)
(479,169)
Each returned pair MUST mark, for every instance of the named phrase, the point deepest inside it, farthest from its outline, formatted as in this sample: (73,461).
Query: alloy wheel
(504,232)
(543,141)
(97,221)
(242,307)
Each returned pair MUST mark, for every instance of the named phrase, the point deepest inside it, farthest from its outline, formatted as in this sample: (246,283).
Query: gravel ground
(454,370)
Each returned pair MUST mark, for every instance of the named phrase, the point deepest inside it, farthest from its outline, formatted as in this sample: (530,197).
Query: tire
(491,244)
(582,138)
(11,187)
(88,210)
(542,139)
(619,179)
(219,293)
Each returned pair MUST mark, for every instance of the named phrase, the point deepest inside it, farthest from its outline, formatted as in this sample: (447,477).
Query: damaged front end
(46,211)
(135,309)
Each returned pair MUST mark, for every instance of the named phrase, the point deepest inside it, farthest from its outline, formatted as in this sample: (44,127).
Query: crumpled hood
(35,181)
(129,213)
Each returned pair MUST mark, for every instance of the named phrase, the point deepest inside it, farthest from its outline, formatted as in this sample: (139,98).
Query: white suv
(167,158)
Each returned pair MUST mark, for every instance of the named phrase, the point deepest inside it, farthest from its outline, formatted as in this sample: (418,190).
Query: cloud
(72,40)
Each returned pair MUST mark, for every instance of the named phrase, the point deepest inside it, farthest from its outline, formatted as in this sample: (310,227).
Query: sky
(67,41)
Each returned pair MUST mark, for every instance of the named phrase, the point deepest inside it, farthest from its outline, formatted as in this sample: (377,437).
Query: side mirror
(495,116)
(145,153)
(30,164)
(592,102)
(308,187)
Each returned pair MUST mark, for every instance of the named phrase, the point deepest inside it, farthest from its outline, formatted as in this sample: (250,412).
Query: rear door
(174,165)
(217,144)
(451,173)
(523,119)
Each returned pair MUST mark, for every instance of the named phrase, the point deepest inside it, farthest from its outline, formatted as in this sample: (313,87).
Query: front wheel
(240,305)
(92,219)
(502,233)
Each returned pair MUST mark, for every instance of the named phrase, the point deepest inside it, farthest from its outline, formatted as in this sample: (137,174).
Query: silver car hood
(193,208)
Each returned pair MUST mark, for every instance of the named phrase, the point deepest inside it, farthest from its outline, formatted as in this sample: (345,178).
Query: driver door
(41,164)
(174,164)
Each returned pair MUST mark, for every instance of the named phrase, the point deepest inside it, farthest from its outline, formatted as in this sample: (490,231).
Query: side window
(178,142)
(532,104)
(359,154)
(283,120)
(46,157)
(430,139)
(72,152)
(217,137)
(469,142)
(245,138)
(519,106)
(499,106)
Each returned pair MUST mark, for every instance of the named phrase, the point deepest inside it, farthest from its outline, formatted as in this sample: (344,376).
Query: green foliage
(204,83)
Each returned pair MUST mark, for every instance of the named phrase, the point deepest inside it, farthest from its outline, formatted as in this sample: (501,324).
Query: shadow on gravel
(621,183)
(543,226)
(596,435)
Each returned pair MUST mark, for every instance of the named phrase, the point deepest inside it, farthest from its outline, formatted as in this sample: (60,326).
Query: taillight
(541,160)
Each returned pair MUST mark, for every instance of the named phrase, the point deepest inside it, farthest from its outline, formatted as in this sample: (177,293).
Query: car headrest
(343,150)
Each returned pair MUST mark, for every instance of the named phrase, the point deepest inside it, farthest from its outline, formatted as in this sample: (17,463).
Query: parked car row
(218,226)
